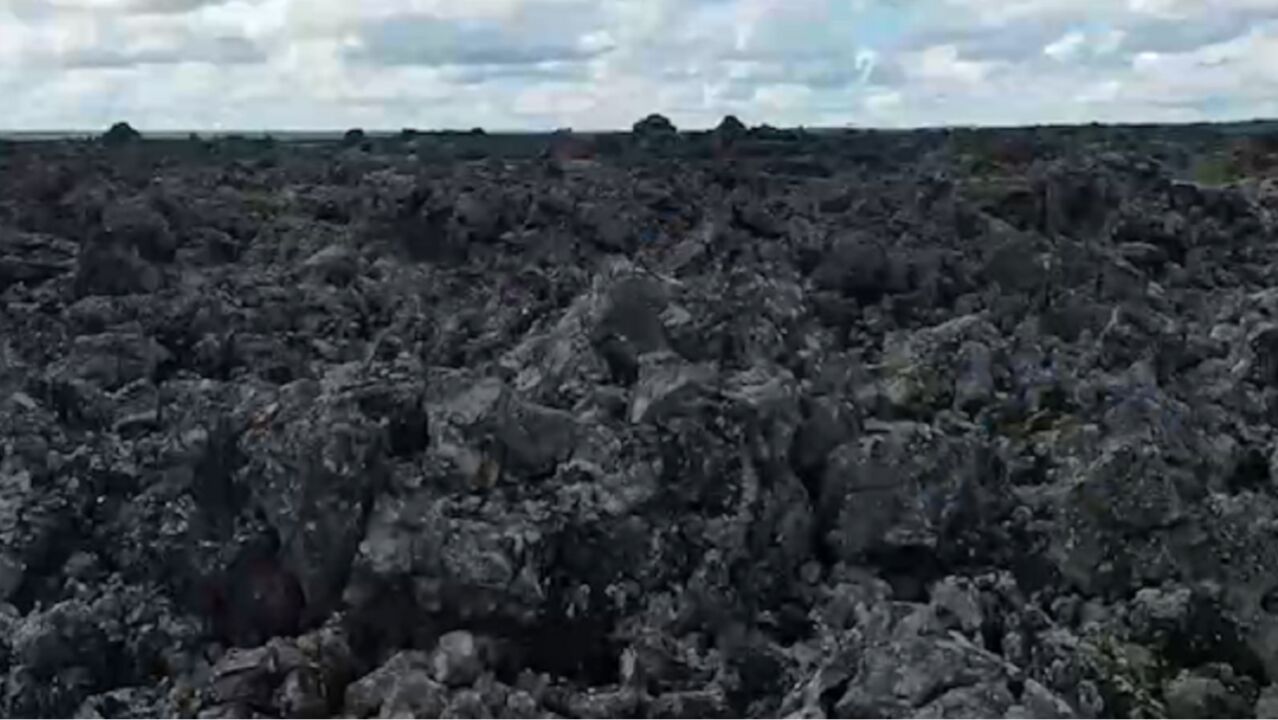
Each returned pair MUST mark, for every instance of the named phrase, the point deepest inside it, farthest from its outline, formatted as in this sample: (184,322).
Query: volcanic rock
(714,424)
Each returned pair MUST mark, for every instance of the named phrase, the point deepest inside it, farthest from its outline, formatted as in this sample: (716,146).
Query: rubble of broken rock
(747,423)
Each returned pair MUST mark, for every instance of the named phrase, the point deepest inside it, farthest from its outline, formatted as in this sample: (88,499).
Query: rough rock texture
(751,422)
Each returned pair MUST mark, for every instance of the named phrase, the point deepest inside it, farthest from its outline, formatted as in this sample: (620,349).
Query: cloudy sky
(588,64)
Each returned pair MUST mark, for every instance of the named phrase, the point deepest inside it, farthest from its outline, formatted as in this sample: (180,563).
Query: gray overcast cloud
(319,64)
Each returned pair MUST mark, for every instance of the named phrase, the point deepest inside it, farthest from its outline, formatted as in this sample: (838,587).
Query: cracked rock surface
(752,422)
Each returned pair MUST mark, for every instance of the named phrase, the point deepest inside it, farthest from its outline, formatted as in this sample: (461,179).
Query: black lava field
(738,423)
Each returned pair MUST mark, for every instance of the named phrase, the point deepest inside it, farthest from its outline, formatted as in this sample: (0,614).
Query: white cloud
(130,6)
(1074,44)
(1109,42)
(604,63)
(1164,8)
(553,100)
(1066,47)
(883,102)
(596,42)
(942,64)
(1005,12)
(783,98)
(1102,92)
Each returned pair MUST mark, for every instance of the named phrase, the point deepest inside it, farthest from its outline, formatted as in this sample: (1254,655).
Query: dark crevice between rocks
(407,428)
(823,551)
(580,650)
(792,625)
(1034,473)
(1016,686)
(66,399)
(217,494)
(313,610)
(256,598)
(177,356)
(1208,636)
(42,582)
(620,358)
(762,675)
(221,595)
(1252,473)
(831,696)
(909,569)
(1029,563)
(387,621)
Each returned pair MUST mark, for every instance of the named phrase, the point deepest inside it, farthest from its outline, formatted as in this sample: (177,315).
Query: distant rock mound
(353,137)
(654,125)
(768,133)
(655,133)
(121,133)
(731,125)
(729,132)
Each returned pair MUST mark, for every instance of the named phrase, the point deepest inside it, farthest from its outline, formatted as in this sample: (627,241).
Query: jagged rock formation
(811,424)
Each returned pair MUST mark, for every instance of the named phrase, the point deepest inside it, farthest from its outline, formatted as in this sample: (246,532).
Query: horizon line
(626,131)
(223,132)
